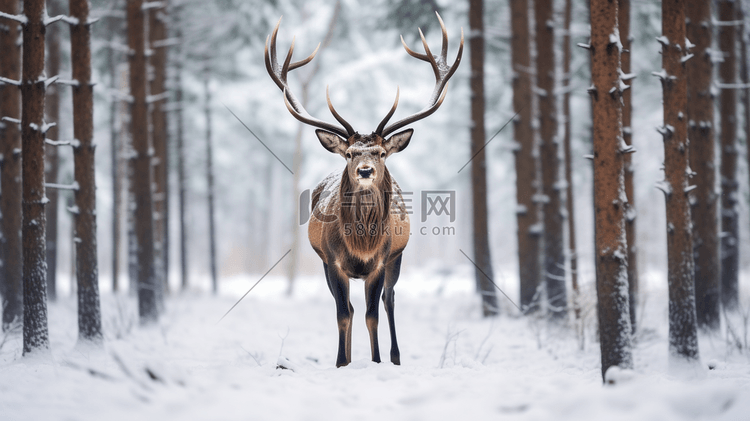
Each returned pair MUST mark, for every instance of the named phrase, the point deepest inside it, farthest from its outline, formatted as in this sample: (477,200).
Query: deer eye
(348,155)
(382,154)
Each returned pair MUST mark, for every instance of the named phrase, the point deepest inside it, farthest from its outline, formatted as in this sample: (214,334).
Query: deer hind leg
(373,288)
(392,272)
(339,286)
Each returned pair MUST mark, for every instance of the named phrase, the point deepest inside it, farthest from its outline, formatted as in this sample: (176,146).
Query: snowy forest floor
(455,364)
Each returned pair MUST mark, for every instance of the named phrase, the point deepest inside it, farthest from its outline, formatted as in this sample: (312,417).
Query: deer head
(365,154)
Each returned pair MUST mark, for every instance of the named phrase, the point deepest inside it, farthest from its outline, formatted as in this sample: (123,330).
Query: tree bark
(52,108)
(554,256)
(609,190)
(482,258)
(158,32)
(210,179)
(10,172)
(569,203)
(729,150)
(700,114)
(35,332)
(142,174)
(623,22)
(87,270)
(683,339)
(527,210)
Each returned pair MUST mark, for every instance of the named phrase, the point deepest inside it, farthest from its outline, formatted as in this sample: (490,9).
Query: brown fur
(366,209)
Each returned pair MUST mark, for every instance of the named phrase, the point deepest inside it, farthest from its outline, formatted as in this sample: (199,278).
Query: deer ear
(398,142)
(332,142)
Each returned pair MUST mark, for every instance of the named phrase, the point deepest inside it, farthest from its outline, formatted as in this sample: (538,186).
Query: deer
(359,224)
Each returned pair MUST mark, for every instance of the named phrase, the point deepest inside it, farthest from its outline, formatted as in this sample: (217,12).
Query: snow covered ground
(456,365)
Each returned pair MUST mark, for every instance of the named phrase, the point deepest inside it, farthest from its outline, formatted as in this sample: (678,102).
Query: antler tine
(288,60)
(274,34)
(336,115)
(444,50)
(442,74)
(413,53)
(388,116)
(279,75)
(300,114)
(305,61)
(429,55)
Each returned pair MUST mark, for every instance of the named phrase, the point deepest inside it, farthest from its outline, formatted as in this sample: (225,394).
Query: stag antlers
(439,64)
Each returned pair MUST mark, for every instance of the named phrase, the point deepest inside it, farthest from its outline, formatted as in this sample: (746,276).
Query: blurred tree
(52,108)
(159,44)
(729,186)
(527,211)
(33,128)
(567,117)
(609,190)
(482,258)
(404,15)
(683,339)
(623,23)
(700,117)
(210,180)
(142,169)
(554,255)
(11,281)
(87,270)
(297,162)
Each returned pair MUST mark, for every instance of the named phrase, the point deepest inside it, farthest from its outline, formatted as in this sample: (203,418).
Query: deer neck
(365,215)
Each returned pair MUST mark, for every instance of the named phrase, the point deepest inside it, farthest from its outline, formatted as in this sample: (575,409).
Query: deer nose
(365,172)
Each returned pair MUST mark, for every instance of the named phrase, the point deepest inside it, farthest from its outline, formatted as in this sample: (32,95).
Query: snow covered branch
(10,81)
(69,82)
(11,120)
(50,81)
(73,142)
(156,98)
(152,5)
(67,19)
(166,42)
(732,85)
(73,186)
(22,19)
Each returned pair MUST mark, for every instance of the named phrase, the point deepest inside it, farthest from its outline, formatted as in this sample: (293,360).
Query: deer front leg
(392,272)
(339,284)
(373,288)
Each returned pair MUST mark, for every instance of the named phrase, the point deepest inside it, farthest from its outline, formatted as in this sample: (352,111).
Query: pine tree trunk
(573,252)
(529,238)
(115,170)
(609,191)
(554,256)
(144,217)
(623,11)
(181,180)
(482,258)
(745,75)
(210,179)
(35,332)
(87,271)
(158,32)
(10,172)
(10,168)
(52,108)
(683,340)
(700,114)
(729,149)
